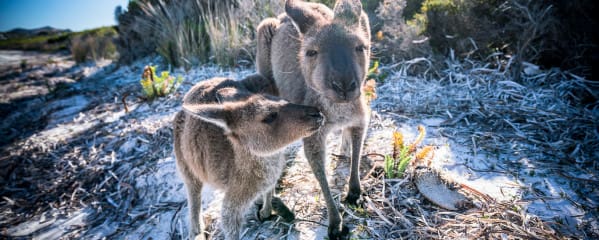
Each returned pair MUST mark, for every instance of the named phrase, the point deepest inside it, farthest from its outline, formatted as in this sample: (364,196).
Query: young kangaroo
(319,57)
(231,136)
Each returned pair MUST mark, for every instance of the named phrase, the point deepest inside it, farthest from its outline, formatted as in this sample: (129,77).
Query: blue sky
(76,15)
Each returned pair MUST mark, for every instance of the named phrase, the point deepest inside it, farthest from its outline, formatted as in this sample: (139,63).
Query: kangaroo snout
(345,90)
(313,116)
(317,116)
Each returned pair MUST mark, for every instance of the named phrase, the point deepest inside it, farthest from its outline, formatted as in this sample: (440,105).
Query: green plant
(93,44)
(23,64)
(373,71)
(370,90)
(158,86)
(397,162)
(47,43)
(369,87)
(189,32)
(226,34)
(396,39)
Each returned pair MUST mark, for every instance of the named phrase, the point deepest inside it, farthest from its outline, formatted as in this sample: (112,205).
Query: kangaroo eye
(270,118)
(360,48)
(311,53)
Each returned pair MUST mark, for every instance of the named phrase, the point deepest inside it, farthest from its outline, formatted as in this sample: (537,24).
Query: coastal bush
(45,43)
(94,44)
(188,32)
(548,33)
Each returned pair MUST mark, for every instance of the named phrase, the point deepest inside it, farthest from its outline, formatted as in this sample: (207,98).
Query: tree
(118,11)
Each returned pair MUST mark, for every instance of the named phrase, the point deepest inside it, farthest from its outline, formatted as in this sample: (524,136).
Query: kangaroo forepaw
(353,197)
(338,234)
(199,237)
(263,216)
(282,210)
(278,209)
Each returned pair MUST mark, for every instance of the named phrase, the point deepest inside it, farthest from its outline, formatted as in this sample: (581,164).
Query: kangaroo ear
(257,83)
(214,114)
(231,94)
(365,25)
(348,12)
(302,15)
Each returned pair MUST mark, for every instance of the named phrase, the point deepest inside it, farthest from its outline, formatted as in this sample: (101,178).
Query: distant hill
(27,33)
(49,39)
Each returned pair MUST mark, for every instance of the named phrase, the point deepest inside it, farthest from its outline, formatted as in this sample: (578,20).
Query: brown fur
(319,57)
(229,136)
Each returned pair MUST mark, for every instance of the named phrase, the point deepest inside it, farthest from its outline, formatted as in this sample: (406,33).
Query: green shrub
(463,25)
(93,44)
(46,43)
(158,86)
(396,40)
(548,33)
(187,32)
(86,45)
(23,64)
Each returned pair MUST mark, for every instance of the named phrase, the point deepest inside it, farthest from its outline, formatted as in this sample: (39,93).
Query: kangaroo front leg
(315,150)
(266,209)
(266,31)
(233,208)
(346,143)
(194,203)
(357,140)
(194,197)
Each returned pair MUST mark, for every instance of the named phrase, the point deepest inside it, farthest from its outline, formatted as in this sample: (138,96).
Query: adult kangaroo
(319,57)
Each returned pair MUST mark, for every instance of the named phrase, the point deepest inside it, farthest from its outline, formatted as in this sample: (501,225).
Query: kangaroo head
(261,124)
(335,52)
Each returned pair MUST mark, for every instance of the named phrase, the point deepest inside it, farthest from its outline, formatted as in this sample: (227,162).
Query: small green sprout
(158,86)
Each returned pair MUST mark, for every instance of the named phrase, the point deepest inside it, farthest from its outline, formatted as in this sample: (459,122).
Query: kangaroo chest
(263,170)
(340,115)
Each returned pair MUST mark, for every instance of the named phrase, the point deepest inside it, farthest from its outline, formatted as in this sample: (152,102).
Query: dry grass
(105,167)
(396,40)
(189,32)
(545,118)
(551,34)
(546,109)
(397,211)
(94,45)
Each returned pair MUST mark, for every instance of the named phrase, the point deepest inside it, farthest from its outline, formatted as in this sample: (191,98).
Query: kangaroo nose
(337,86)
(344,88)
(352,86)
(314,114)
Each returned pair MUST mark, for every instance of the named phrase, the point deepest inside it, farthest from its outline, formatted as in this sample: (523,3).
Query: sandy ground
(78,165)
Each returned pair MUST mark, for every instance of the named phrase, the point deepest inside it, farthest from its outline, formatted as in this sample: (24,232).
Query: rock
(436,188)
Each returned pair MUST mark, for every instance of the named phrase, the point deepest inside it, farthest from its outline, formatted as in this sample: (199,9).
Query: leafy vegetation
(47,43)
(86,45)
(94,44)
(546,33)
(187,33)
(158,86)
(372,76)
(403,154)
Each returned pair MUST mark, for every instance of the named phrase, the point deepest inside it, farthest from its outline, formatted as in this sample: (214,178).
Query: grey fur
(226,136)
(319,57)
